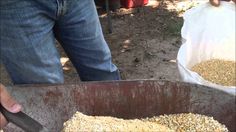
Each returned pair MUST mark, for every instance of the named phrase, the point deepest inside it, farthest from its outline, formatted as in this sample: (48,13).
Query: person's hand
(8,103)
(217,2)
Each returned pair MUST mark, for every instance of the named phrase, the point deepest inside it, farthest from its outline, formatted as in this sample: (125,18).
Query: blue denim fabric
(28,29)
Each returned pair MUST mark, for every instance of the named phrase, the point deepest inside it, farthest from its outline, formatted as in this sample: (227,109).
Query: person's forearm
(217,2)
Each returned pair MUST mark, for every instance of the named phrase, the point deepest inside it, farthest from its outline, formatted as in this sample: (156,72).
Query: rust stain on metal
(51,96)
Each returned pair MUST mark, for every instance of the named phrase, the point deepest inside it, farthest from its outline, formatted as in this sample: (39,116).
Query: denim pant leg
(80,33)
(27,41)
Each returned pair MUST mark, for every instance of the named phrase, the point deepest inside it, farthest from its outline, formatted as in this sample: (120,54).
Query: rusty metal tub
(52,105)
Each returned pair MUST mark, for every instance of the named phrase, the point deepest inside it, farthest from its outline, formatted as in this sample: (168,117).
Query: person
(28,50)
(28,30)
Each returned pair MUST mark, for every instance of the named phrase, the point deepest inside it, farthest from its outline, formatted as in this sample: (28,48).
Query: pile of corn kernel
(189,123)
(217,71)
(84,123)
(167,123)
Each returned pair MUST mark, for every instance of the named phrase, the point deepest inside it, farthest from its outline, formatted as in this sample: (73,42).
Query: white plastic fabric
(208,33)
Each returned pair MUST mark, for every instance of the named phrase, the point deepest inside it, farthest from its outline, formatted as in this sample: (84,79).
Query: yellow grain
(174,123)
(217,71)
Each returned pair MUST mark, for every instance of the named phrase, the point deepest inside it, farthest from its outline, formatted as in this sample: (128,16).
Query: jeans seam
(58,8)
(61,8)
(64,7)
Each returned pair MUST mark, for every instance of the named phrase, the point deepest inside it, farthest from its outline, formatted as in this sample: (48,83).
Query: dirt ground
(144,42)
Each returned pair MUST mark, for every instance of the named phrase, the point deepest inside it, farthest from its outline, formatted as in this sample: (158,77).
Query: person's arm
(8,103)
(217,2)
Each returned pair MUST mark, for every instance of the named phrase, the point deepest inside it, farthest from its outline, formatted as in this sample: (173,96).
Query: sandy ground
(144,42)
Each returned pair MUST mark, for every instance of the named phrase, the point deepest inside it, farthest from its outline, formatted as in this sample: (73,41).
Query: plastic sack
(208,33)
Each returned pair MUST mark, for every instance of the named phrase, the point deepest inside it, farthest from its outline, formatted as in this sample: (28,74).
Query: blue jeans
(28,29)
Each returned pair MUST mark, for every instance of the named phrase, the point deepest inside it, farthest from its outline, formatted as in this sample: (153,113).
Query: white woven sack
(208,33)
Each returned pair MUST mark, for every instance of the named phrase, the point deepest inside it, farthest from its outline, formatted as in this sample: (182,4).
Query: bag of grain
(209,42)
